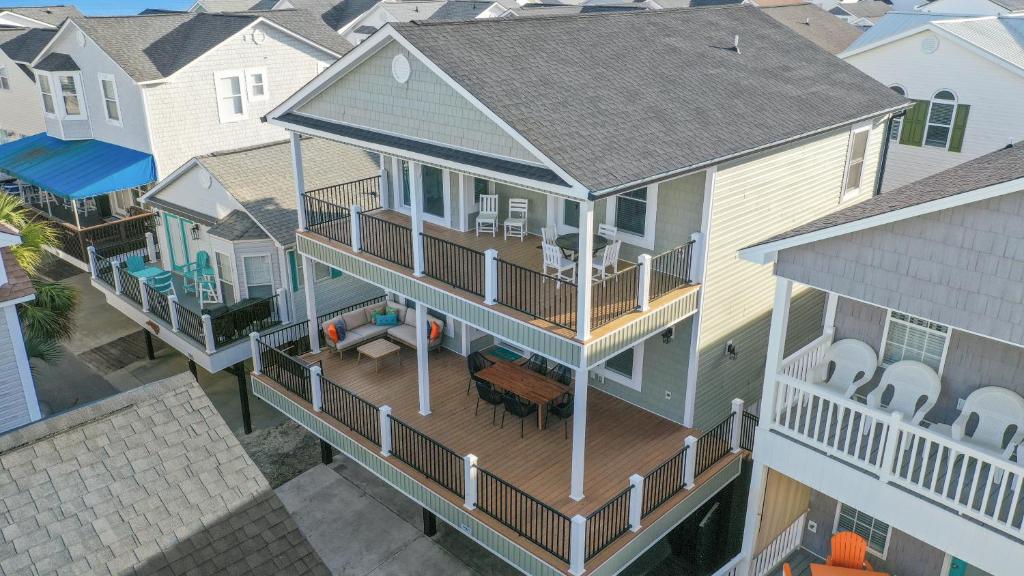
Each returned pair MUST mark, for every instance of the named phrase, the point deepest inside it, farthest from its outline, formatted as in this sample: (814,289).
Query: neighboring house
(818,26)
(862,13)
(36,16)
(18,402)
(924,281)
(148,481)
(964,74)
(657,352)
(126,100)
(386,11)
(216,6)
(972,7)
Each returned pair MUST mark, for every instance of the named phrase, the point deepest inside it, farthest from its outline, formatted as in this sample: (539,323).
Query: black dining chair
(538,364)
(475,362)
(486,392)
(562,408)
(518,407)
(561,374)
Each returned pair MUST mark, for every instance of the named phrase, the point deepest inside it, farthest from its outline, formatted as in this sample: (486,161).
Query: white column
(356,227)
(92,261)
(552,210)
(150,247)
(257,362)
(317,389)
(829,324)
(282,305)
(490,276)
(577,545)
(636,501)
(417,217)
(584,271)
(116,273)
(74,208)
(143,295)
(309,288)
(697,253)
(211,346)
(422,368)
(470,481)
(776,346)
(737,423)
(300,179)
(579,429)
(690,462)
(755,507)
(643,293)
(385,430)
(384,185)
(172,309)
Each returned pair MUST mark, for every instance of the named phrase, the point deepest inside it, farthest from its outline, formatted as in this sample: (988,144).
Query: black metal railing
(712,445)
(327,219)
(129,285)
(671,270)
(237,323)
(428,456)
(123,250)
(524,514)
(335,313)
(614,296)
(536,294)
(663,482)
(364,193)
(360,416)
(453,264)
(105,271)
(607,523)
(292,339)
(748,426)
(159,305)
(385,239)
(288,371)
(190,323)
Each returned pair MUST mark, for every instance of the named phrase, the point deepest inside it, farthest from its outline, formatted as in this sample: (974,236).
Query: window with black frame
(631,212)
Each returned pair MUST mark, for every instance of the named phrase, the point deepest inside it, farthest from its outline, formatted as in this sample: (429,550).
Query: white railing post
(385,430)
(143,295)
(114,265)
(490,276)
(208,334)
(356,228)
(577,545)
(636,501)
(470,481)
(150,247)
(697,257)
(172,309)
(891,447)
(643,292)
(690,462)
(737,423)
(254,343)
(317,386)
(93,270)
(282,306)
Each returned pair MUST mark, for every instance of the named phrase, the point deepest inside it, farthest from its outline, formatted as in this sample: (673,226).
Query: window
(5,80)
(321,272)
(259,280)
(47,92)
(855,162)
(481,187)
(876,532)
(227,279)
(571,213)
(940,119)
(406,184)
(70,95)
(257,83)
(631,212)
(911,338)
(112,108)
(897,122)
(230,97)
(432,181)
(626,367)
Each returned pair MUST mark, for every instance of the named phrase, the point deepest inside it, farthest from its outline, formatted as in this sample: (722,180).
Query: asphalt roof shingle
(52,15)
(23,45)
(811,22)
(237,226)
(57,62)
(18,283)
(619,99)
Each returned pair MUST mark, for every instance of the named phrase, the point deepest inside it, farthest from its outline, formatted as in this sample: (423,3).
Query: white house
(18,403)
(966,75)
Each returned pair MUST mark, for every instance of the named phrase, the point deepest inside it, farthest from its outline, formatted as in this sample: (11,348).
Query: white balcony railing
(775,553)
(968,480)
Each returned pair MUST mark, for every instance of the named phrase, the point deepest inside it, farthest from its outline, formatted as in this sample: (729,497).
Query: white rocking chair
(487,218)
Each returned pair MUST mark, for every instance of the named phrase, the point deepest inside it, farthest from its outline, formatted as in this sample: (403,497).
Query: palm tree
(49,319)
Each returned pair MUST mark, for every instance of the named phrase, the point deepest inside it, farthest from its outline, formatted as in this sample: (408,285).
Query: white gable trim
(764,253)
(377,41)
(32,22)
(60,31)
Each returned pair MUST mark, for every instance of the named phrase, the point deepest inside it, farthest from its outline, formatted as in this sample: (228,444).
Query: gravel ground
(282,452)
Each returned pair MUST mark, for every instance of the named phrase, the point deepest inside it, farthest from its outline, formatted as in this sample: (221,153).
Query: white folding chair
(910,382)
(608,231)
(853,364)
(515,224)
(553,259)
(487,218)
(607,258)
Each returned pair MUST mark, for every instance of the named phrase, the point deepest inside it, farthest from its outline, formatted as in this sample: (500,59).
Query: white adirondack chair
(998,409)
(608,231)
(515,224)
(607,258)
(487,219)
(853,364)
(910,381)
(553,259)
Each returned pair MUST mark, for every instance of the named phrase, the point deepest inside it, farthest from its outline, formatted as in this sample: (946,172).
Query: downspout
(885,151)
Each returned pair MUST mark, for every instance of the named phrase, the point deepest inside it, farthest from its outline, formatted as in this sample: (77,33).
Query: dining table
(826,570)
(147,272)
(570,243)
(524,383)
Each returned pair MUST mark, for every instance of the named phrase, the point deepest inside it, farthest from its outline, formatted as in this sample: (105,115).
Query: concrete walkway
(360,526)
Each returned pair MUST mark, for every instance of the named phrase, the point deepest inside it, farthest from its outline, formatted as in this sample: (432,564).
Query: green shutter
(294,270)
(914,124)
(956,141)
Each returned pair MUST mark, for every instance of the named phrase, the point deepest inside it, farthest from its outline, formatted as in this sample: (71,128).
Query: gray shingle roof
(217,6)
(870,9)
(23,45)
(260,178)
(1003,37)
(150,481)
(311,25)
(1012,5)
(993,168)
(334,13)
(52,15)
(58,62)
(811,22)
(616,99)
(532,9)
(238,226)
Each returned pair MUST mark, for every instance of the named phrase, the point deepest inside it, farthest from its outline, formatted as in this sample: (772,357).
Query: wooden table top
(524,383)
(378,348)
(824,570)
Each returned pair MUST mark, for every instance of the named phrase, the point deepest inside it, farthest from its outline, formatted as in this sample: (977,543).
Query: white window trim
(888,534)
(952,119)
(232,282)
(53,98)
(76,79)
(474,206)
(243,87)
(117,99)
(636,381)
(560,224)
(244,277)
(249,72)
(650,223)
(446,185)
(885,338)
(4,74)
(847,194)
(897,122)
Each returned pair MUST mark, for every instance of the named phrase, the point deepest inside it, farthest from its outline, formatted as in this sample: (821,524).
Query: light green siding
(643,327)
(680,202)
(755,198)
(425,107)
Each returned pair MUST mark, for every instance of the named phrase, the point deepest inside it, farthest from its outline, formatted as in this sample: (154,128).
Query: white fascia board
(764,253)
(33,23)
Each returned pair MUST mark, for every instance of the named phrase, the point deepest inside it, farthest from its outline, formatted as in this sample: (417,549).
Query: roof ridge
(230,151)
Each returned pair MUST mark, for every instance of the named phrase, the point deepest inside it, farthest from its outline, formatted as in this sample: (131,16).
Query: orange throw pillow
(435,331)
(332,332)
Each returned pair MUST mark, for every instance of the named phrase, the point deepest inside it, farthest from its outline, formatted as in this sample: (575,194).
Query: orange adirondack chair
(849,551)
(786,570)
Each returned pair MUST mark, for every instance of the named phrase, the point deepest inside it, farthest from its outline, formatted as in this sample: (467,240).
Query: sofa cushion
(367,331)
(401,309)
(354,319)
(404,333)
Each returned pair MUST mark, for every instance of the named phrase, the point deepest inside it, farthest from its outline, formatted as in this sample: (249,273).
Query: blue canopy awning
(76,168)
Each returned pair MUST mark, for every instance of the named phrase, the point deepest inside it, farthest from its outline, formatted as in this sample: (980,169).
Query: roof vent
(807,21)
(736,43)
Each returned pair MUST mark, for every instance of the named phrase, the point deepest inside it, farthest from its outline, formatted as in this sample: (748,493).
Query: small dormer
(63,98)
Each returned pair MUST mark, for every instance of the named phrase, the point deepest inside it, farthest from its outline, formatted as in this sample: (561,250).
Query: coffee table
(378,350)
